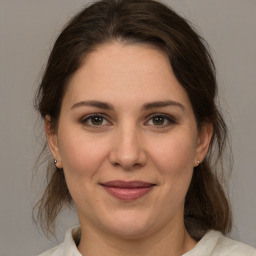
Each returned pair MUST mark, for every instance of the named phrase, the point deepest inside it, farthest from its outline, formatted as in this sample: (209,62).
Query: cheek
(174,159)
(82,157)
(176,169)
(81,154)
(176,153)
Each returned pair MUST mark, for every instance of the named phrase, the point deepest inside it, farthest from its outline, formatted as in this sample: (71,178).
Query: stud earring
(55,161)
(198,162)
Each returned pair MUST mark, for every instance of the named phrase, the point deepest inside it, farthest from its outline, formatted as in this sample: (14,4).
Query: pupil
(97,120)
(158,120)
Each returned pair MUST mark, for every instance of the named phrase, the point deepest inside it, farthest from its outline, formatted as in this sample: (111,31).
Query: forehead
(117,71)
(117,59)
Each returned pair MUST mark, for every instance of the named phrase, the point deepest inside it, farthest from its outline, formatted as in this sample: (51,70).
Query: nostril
(127,166)
(116,164)
(127,153)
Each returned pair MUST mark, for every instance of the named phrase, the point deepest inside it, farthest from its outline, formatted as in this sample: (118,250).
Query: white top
(213,243)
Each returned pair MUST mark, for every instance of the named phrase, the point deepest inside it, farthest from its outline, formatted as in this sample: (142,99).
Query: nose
(128,150)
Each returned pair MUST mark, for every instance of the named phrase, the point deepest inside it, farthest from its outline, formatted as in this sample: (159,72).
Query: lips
(127,190)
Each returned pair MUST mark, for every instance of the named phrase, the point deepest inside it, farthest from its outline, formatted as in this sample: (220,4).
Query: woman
(128,99)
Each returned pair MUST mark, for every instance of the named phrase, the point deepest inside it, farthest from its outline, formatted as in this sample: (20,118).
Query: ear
(203,142)
(52,140)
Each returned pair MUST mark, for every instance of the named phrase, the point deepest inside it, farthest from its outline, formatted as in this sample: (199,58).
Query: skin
(127,143)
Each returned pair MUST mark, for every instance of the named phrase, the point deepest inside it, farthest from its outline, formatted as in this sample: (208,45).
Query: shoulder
(56,251)
(215,244)
(229,246)
(68,247)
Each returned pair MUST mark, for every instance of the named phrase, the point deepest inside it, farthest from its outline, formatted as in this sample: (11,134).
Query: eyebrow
(93,103)
(159,104)
(146,106)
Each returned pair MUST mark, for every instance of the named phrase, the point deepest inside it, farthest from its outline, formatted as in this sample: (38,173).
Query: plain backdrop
(28,29)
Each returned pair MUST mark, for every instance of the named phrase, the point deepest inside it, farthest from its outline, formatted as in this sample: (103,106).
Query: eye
(161,120)
(95,120)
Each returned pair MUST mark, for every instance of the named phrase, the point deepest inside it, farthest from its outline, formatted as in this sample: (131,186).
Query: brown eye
(161,120)
(95,120)
(158,120)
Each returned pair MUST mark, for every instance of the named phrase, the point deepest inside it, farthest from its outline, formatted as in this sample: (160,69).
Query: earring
(198,162)
(55,161)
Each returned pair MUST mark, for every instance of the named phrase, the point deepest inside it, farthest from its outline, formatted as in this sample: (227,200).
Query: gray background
(27,31)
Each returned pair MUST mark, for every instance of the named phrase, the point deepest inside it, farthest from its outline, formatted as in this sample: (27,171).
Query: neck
(167,242)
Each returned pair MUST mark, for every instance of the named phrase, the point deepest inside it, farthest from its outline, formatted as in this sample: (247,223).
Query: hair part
(145,22)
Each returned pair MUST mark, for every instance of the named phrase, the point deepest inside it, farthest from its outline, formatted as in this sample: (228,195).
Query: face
(127,141)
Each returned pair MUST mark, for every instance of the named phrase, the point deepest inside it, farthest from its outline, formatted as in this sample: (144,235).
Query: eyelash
(85,120)
(167,118)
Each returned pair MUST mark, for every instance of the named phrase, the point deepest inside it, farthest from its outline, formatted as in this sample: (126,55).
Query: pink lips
(130,190)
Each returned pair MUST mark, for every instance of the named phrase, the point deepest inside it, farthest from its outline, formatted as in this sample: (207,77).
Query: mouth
(127,190)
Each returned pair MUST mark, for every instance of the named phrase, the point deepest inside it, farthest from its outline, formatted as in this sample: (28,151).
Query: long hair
(149,22)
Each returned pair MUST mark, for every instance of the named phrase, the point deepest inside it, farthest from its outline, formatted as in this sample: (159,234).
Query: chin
(129,231)
(129,225)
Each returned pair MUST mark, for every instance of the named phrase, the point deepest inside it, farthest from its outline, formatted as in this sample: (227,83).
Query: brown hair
(141,21)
